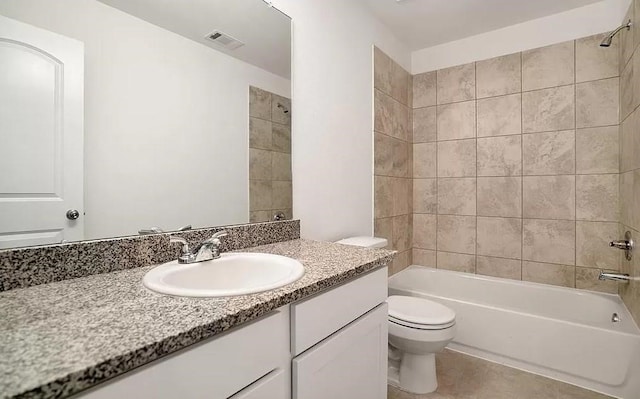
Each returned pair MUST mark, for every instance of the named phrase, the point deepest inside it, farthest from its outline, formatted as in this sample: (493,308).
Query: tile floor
(466,377)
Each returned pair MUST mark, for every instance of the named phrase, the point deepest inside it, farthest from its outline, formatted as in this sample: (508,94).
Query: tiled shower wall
(630,154)
(516,165)
(270,189)
(392,157)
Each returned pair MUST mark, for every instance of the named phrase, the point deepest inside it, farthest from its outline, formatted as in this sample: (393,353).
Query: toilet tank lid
(364,241)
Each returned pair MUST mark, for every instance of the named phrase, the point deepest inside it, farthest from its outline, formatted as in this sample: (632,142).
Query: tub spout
(623,278)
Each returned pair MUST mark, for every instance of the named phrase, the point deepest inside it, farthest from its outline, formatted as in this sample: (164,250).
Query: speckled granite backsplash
(20,268)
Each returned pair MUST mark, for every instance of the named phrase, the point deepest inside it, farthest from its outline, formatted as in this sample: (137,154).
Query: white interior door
(41,135)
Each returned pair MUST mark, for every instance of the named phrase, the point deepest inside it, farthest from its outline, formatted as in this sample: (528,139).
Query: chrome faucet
(626,245)
(207,250)
(623,278)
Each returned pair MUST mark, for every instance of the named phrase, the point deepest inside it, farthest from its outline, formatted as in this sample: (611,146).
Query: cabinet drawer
(350,364)
(314,319)
(275,385)
(213,369)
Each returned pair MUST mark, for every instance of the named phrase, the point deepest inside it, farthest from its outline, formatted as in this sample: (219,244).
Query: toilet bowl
(418,328)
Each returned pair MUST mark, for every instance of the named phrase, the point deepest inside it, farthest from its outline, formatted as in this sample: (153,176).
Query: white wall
(569,25)
(166,120)
(332,89)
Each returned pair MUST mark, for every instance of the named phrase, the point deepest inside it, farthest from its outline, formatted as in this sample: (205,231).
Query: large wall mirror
(126,117)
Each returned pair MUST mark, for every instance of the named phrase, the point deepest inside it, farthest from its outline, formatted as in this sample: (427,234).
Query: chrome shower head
(606,42)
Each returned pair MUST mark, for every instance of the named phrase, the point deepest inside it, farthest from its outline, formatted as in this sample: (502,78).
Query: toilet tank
(365,241)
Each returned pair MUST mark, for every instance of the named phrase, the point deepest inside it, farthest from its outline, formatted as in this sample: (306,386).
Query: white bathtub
(561,333)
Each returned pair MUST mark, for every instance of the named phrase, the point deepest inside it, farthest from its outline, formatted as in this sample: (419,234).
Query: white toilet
(418,328)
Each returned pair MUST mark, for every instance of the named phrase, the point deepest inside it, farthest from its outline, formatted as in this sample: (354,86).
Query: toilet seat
(419,313)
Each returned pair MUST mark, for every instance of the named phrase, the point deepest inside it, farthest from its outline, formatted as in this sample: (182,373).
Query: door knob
(73,214)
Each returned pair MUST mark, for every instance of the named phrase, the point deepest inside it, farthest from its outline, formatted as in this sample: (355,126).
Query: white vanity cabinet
(220,367)
(332,345)
(339,341)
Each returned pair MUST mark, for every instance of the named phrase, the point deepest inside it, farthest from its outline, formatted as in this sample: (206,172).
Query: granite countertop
(60,338)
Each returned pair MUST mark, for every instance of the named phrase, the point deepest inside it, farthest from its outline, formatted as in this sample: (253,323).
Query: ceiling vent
(223,40)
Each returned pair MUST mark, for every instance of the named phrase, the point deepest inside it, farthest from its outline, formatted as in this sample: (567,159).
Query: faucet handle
(219,234)
(181,241)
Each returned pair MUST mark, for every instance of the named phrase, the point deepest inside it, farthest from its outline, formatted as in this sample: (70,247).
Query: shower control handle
(626,245)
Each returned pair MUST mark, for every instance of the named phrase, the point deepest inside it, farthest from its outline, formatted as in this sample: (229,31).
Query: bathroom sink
(236,273)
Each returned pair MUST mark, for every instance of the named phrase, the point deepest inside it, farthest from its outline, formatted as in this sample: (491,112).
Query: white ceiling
(424,23)
(265,31)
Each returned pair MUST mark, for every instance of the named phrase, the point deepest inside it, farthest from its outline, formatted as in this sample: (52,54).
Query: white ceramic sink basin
(234,273)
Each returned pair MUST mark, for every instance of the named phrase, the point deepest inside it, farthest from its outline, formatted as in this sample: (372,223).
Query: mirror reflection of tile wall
(269,155)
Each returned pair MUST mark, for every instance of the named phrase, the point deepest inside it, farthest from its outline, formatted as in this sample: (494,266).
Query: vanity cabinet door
(351,364)
(275,385)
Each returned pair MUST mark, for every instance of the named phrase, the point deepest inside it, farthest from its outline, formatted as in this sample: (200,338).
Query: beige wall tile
(500,116)
(592,62)
(383,196)
(549,197)
(628,131)
(259,216)
(424,257)
(401,165)
(592,245)
(627,91)
(259,103)
(383,154)
(597,197)
(597,150)
(626,39)
(259,133)
(424,231)
(278,114)
(457,196)
(424,160)
(425,196)
(457,234)
(402,196)
(499,267)
(587,279)
(500,237)
(259,164)
(627,184)
(456,84)
(456,121)
(549,153)
(282,194)
(383,72)
(548,273)
(402,232)
(499,76)
(548,110)
(400,262)
(281,166)
(424,89)
(636,82)
(635,219)
(424,125)
(551,241)
(383,228)
(400,83)
(385,117)
(456,262)
(281,138)
(500,196)
(636,15)
(456,158)
(597,103)
(500,156)
(548,66)
(260,193)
